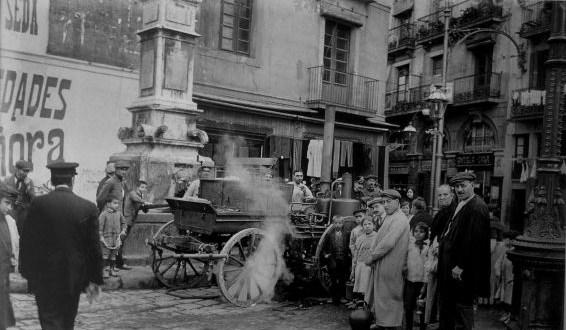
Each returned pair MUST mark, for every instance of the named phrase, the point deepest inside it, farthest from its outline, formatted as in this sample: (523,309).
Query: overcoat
(465,243)
(113,187)
(6,266)
(385,292)
(60,249)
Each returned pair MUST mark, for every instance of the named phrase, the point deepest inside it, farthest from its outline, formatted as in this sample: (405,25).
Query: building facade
(265,74)
(495,85)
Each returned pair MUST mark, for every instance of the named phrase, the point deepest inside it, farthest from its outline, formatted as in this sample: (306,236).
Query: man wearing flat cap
(388,257)
(60,250)
(371,189)
(114,188)
(24,186)
(9,246)
(464,256)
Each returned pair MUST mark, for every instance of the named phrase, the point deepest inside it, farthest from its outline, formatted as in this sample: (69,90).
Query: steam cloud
(264,196)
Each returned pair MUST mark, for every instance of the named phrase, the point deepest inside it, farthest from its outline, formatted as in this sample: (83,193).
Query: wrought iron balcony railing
(527,104)
(400,102)
(430,27)
(343,89)
(536,19)
(477,88)
(402,36)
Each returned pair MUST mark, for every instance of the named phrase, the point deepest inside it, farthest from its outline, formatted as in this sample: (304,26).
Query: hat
(122,164)
(390,193)
(369,177)
(374,201)
(62,169)
(24,165)
(462,176)
(359,211)
(8,192)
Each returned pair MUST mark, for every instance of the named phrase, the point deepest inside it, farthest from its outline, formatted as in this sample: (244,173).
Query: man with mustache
(464,256)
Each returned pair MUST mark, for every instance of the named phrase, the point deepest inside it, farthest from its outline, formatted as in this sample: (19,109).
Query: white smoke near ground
(266,197)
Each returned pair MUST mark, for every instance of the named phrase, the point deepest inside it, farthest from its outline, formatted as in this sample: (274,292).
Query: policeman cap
(462,176)
(24,165)
(391,193)
(62,169)
(8,192)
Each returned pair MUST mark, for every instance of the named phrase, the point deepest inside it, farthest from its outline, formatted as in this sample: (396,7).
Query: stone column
(538,258)
(163,138)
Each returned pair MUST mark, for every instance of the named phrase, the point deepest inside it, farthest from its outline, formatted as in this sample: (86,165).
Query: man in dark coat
(110,169)
(60,250)
(21,182)
(8,252)
(464,256)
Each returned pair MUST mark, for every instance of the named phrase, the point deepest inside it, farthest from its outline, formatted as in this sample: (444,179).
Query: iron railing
(527,103)
(478,87)
(401,36)
(536,19)
(479,144)
(465,14)
(344,89)
(406,101)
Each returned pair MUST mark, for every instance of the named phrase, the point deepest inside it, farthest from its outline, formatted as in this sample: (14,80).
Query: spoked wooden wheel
(173,271)
(252,268)
(321,266)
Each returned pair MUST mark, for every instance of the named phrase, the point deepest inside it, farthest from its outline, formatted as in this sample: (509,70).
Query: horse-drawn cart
(242,238)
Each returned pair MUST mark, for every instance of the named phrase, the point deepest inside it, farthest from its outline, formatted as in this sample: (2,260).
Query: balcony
(402,6)
(430,28)
(536,20)
(401,39)
(477,89)
(348,92)
(484,14)
(527,104)
(403,102)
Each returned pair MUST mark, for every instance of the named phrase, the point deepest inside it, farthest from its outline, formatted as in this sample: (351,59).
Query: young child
(416,257)
(112,225)
(504,271)
(362,272)
(336,254)
(357,231)
(406,208)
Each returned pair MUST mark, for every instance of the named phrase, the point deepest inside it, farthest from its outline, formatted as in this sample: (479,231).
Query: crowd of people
(405,261)
(397,259)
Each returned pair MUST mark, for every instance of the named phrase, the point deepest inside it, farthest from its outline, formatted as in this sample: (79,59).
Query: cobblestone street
(154,309)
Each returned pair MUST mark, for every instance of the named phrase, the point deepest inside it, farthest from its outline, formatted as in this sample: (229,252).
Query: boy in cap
(336,253)
(464,256)
(21,182)
(60,250)
(376,211)
(9,246)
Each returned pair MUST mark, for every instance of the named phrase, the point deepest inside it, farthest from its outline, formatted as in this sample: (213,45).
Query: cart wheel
(321,267)
(252,268)
(174,272)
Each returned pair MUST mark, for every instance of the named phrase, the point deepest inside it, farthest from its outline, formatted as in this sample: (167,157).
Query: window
(537,75)
(522,146)
(236,25)
(479,138)
(437,66)
(336,52)
(403,83)
(483,62)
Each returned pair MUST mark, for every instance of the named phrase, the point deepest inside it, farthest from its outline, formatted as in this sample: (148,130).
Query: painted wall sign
(475,160)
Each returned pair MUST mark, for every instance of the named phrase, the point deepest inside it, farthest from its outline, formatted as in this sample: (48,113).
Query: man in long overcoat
(9,243)
(60,250)
(464,256)
(388,259)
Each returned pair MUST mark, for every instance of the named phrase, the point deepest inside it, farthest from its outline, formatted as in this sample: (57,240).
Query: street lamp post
(438,102)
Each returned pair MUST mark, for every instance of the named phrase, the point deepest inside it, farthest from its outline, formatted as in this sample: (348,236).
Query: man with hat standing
(110,170)
(114,187)
(388,258)
(9,246)
(464,256)
(60,250)
(24,186)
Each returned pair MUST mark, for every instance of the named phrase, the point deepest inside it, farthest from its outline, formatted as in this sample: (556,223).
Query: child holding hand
(112,225)
(416,257)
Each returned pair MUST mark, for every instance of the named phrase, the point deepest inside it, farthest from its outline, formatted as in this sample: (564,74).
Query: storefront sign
(474,160)
(399,169)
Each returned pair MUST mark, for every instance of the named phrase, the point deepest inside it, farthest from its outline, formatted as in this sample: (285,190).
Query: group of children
(361,241)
